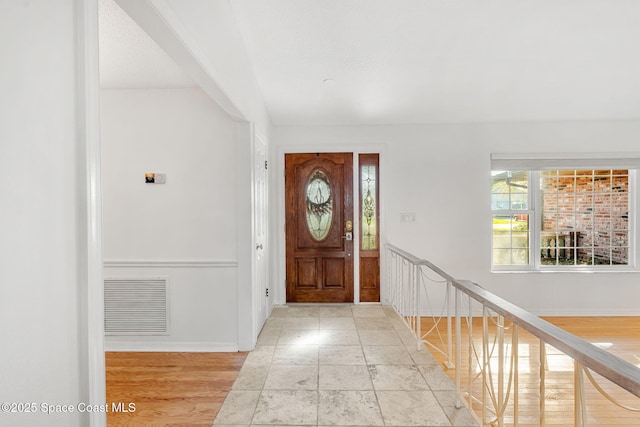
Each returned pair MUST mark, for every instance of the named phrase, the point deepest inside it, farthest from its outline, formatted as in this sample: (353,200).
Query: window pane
(502,257)
(602,255)
(585,239)
(566,220)
(499,201)
(509,190)
(548,247)
(368,220)
(584,181)
(519,201)
(549,221)
(549,181)
(520,257)
(566,202)
(510,257)
(566,182)
(584,217)
(620,255)
(585,257)
(498,182)
(501,231)
(510,195)
(511,239)
(621,238)
(319,205)
(520,239)
(581,208)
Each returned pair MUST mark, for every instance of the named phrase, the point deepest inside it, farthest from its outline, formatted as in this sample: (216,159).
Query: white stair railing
(411,286)
(488,380)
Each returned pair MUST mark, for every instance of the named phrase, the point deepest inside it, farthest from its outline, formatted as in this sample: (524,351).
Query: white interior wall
(214,38)
(43,219)
(185,229)
(442,174)
(202,37)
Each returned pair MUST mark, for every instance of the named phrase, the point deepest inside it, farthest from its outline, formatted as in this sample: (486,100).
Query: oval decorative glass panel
(319,205)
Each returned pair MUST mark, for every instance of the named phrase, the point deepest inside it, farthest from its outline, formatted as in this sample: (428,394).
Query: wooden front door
(319,227)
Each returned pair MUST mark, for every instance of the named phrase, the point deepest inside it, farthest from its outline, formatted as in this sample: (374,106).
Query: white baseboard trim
(178,347)
(565,313)
(142,263)
(587,312)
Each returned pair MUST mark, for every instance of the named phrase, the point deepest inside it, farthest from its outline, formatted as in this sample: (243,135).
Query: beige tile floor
(340,365)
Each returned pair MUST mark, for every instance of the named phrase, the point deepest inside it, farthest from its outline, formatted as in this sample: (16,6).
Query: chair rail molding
(179,347)
(169,263)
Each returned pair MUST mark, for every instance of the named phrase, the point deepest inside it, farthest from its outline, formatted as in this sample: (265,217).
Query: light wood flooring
(188,389)
(169,389)
(618,335)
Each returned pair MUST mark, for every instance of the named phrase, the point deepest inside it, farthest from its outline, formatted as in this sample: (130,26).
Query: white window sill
(577,270)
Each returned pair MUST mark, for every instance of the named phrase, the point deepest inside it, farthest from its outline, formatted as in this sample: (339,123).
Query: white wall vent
(135,306)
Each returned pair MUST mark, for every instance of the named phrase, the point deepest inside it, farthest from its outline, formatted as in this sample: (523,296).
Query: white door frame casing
(88,66)
(247,296)
(260,230)
(279,258)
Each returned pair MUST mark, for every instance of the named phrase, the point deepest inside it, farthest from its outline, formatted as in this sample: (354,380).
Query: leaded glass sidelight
(368,194)
(319,205)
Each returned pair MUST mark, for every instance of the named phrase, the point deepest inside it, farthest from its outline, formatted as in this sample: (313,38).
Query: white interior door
(260,226)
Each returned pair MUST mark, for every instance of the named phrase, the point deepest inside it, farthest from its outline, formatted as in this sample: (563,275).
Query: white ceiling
(129,58)
(420,61)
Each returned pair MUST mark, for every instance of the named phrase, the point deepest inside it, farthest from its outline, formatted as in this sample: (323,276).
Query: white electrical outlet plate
(161,178)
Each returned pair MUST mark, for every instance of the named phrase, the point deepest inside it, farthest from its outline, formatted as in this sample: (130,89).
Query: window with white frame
(545,216)
(510,202)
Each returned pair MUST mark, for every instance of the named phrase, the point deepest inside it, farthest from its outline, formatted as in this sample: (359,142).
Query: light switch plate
(408,217)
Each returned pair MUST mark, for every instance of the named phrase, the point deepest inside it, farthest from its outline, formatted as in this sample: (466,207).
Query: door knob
(259,246)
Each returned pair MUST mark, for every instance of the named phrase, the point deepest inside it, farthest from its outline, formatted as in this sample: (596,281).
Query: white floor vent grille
(135,306)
